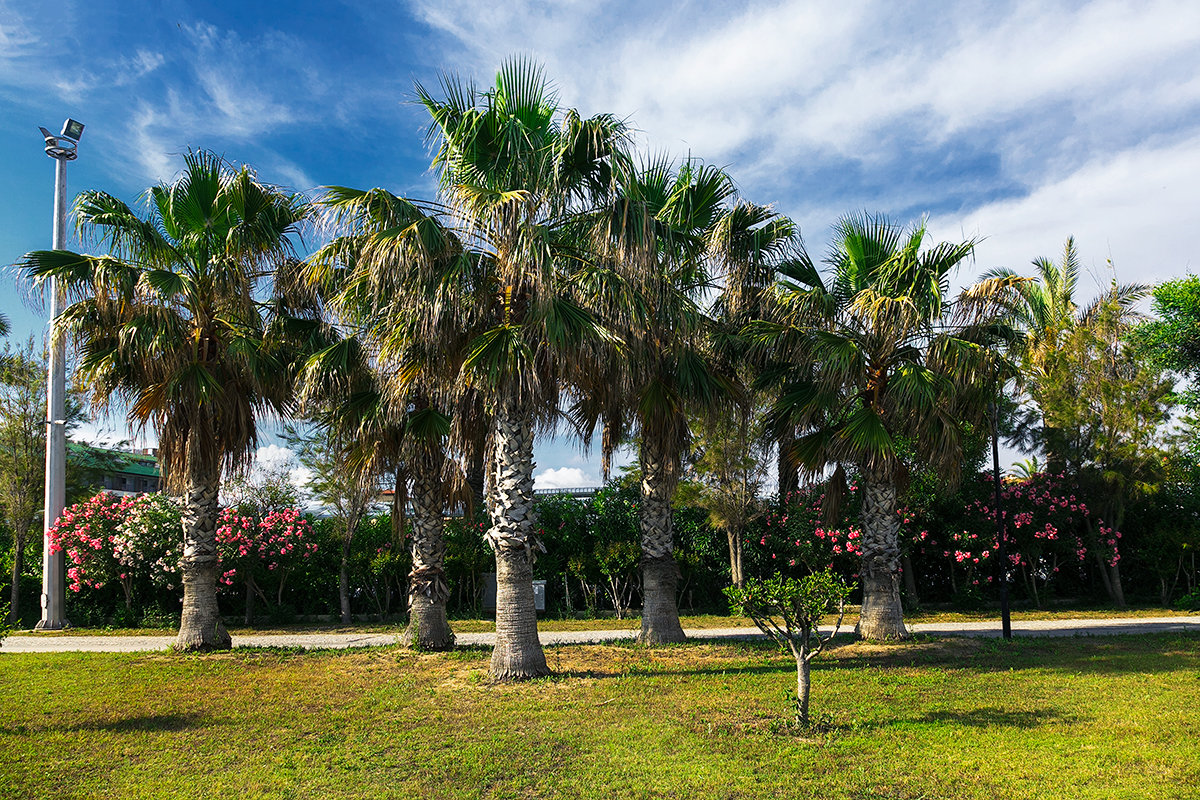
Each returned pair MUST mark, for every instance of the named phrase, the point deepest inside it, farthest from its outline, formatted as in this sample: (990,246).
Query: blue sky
(1022,123)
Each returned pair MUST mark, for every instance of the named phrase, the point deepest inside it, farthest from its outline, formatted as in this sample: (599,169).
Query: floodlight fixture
(62,146)
(72,129)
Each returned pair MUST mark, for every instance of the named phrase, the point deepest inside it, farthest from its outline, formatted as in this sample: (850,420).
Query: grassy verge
(1082,718)
(632,623)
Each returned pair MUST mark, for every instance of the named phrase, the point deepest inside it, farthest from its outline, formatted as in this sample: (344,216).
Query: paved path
(1059,627)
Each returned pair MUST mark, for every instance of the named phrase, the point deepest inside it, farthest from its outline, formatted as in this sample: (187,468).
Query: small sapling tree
(789,610)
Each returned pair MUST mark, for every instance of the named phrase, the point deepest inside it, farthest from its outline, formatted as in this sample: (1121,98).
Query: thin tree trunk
(428,628)
(803,684)
(660,573)
(14,605)
(344,582)
(249,601)
(201,626)
(1114,581)
(399,501)
(476,467)
(787,472)
(518,653)
(737,576)
(882,615)
(910,580)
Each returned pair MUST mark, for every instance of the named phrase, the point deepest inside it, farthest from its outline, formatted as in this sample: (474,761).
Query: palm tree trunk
(518,653)
(428,628)
(882,616)
(660,573)
(201,626)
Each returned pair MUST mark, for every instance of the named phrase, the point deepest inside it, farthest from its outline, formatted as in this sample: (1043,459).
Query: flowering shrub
(85,533)
(149,541)
(134,539)
(251,550)
(1048,528)
(794,540)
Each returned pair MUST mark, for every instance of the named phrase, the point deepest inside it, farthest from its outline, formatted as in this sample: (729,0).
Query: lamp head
(72,129)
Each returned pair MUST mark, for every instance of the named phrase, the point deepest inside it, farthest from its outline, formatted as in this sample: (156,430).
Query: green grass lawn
(1111,717)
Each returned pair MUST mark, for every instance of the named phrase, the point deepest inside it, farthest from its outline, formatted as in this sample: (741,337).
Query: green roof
(113,461)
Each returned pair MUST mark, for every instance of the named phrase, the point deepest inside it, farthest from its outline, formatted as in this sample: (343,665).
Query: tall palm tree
(748,243)
(878,358)
(1044,311)
(517,174)
(395,278)
(655,233)
(179,322)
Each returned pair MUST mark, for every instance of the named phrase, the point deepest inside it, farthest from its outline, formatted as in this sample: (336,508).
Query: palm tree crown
(179,322)
(875,359)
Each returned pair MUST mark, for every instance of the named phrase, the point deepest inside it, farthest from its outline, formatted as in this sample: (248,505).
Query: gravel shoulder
(1057,627)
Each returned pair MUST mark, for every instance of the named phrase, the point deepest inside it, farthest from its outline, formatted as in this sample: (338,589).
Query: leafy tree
(789,611)
(872,357)
(179,321)
(1172,341)
(339,485)
(22,454)
(262,490)
(518,174)
(1109,408)
(1044,312)
(729,460)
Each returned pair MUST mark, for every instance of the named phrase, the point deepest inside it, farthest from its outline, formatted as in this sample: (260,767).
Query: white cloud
(773,88)
(564,478)
(1136,208)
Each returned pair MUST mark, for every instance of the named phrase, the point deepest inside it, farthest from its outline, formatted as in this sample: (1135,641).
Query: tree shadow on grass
(148,723)
(992,717)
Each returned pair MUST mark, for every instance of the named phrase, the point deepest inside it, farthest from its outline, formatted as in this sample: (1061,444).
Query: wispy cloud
(826,106)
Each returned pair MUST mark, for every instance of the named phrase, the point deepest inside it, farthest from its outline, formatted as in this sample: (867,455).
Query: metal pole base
(51,625)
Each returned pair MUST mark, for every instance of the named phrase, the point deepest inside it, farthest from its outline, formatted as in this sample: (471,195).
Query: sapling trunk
(344,582)
(803,685)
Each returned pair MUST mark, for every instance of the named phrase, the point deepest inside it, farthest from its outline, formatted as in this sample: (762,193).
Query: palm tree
(179,322)
(878,360)
(386,386)
(1044,312)
(748,242)
(518,174)
(655,234)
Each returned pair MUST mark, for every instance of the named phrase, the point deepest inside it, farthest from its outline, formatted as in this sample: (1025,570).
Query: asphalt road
(133,644)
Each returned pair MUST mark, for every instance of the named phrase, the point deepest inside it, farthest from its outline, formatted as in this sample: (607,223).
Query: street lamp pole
(61,148)
(1001,543)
